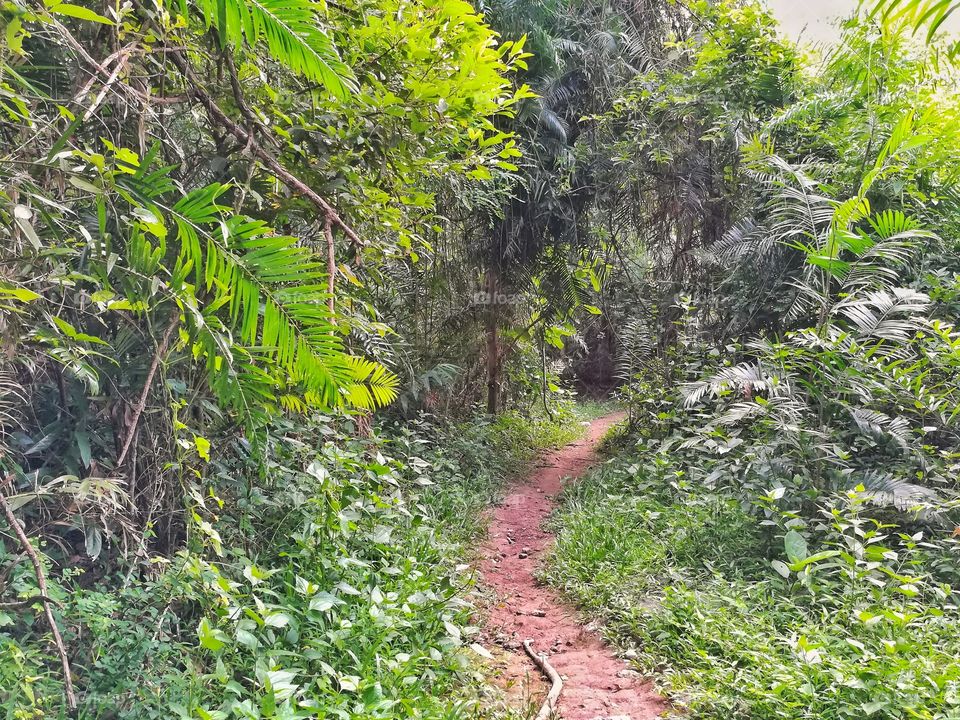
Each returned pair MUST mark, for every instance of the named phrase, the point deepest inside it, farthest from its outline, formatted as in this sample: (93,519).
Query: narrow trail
(596,683)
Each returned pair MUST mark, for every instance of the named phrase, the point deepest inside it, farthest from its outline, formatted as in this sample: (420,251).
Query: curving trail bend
(597,685)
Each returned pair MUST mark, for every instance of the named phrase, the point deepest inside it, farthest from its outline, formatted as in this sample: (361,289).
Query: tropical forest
(479,360)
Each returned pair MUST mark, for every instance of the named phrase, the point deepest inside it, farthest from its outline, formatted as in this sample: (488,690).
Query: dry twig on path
(550,704)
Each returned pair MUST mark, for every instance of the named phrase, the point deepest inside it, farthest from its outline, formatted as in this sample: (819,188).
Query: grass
(592,408)
(683,575)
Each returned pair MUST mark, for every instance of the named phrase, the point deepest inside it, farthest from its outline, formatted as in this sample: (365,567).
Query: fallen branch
(44,598)
(101,96)
(550,704)
(100,68)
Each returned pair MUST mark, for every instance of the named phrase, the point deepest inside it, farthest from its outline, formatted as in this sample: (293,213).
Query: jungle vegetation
(290,288)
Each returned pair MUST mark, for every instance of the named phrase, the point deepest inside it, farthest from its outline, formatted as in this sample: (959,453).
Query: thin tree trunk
(493,344)
(543,379)
(331,266)
(145,393)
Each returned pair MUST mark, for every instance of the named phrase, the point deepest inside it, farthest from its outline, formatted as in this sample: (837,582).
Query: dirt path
(596,683)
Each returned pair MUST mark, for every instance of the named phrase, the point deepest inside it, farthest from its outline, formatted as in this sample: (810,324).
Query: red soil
(596,684)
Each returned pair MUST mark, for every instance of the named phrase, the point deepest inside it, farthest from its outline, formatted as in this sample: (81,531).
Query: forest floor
(596,683)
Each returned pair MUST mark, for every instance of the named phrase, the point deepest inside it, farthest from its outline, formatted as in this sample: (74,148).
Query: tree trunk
(493,344)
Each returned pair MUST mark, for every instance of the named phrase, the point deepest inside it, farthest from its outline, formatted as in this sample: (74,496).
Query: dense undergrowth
(235,235)
(329,585)
(743,605)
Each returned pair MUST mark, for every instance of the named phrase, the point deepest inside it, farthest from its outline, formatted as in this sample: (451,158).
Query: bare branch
(331,263)
(218,117)
(142,402)
(44,598)
(550,703)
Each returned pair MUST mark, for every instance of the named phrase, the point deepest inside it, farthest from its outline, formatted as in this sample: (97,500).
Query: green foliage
(197,199)
(274,293)
(834,617)
(293,33)
(773,534)
(233,230)
(522,439)
(360,613)
(169,279)
(928,15)
(330,583)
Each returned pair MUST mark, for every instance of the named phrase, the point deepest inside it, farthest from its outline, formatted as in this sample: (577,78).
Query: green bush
(329,584)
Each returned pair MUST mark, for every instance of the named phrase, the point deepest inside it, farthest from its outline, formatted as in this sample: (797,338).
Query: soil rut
(596,684)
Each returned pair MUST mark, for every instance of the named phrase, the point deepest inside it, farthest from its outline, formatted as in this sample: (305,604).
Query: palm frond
(894,315)
(884,489)
(273,293)
(553,124)
(420,385)
(636,348)
(13,397)
(746,240)
(292,32)
(748,377)
(880,426)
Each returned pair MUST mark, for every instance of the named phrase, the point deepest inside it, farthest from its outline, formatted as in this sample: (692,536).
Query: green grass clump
(591,408)
(615,547)
(861,626)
